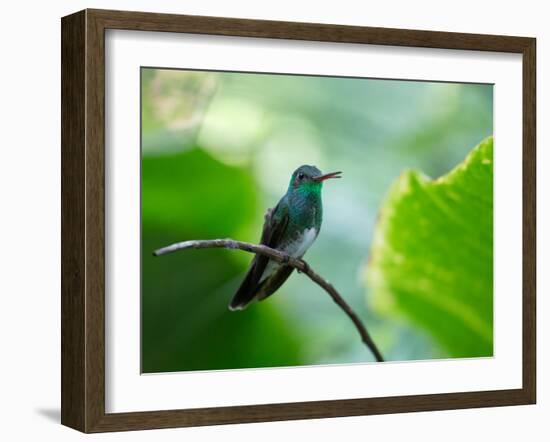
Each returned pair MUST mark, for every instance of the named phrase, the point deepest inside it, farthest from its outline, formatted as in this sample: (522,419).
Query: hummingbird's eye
(301,176)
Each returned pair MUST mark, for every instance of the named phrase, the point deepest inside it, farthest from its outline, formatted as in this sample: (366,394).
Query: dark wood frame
(83,217)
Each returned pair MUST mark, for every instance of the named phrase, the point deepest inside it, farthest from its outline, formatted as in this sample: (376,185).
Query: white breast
(296,249)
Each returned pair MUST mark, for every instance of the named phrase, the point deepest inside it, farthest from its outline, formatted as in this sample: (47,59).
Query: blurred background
(218,149)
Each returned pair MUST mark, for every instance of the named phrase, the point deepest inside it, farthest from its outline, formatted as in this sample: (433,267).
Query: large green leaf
(432,254)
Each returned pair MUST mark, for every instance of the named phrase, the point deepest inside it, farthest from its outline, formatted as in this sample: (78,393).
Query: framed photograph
(269,220)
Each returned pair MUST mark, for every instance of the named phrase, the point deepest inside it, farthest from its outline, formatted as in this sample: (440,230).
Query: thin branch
(298,264)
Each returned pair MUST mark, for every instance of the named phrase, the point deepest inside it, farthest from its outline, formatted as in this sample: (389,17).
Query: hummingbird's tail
(246,292)
(237,304)
(251,289)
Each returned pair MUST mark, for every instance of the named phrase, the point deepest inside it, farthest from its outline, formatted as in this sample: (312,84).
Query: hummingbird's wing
(275,225)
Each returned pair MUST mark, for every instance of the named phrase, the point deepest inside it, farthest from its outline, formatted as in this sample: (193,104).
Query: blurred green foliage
(432,254)
(218,150)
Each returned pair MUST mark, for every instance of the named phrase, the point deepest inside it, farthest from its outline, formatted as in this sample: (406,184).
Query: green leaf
(432,255)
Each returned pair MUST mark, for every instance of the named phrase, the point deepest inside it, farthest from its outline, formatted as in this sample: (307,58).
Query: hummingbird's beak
(327,176)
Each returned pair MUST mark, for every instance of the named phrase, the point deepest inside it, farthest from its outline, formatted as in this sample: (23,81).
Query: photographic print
(383,188)
(267,221)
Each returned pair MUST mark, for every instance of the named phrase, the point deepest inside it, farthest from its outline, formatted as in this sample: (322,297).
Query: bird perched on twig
(291,227)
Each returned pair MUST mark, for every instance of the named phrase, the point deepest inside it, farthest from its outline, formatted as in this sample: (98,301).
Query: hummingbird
(291,227)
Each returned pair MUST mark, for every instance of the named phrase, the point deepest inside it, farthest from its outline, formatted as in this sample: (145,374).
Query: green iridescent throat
(310,188)
(305,205)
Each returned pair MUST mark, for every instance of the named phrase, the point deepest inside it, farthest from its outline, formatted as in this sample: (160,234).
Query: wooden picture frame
(83,220)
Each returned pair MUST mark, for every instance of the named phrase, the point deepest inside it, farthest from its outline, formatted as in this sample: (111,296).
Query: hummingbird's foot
(306,267)
(285,260)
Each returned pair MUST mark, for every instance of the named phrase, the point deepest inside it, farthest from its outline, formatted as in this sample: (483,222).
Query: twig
(298,264)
